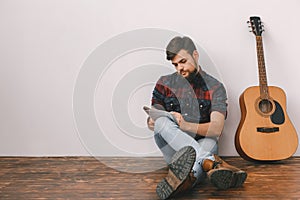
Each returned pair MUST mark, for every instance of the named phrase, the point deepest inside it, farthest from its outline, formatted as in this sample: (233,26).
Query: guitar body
(265,132)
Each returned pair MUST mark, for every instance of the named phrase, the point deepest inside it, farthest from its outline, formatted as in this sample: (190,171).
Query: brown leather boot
(223,175)
(186,185)
(179,178)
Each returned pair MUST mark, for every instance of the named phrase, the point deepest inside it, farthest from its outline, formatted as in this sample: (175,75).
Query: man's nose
(179,67)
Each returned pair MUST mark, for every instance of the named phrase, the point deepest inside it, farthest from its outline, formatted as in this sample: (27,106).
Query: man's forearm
(210,129)
(200,129)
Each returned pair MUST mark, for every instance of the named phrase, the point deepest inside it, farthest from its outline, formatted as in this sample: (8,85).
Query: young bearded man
(187,134)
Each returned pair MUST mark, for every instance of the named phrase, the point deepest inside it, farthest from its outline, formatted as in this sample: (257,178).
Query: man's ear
(196,55)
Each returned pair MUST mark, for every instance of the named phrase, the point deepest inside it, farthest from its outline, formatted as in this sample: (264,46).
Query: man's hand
(178,118)
(150,123)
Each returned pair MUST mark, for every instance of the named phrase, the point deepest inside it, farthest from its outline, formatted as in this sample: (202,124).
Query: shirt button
(185,114)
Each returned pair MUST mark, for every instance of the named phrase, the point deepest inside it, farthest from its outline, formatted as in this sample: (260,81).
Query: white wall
(44,45)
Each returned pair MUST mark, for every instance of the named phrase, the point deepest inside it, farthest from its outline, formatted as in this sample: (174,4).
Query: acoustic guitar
(265,132)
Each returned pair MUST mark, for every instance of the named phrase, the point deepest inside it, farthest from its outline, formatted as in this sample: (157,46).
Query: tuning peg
(248,22)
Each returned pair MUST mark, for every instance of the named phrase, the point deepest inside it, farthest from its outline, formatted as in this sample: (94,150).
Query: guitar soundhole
(265,106)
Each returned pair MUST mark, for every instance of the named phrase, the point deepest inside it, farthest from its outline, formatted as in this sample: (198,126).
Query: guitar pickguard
(278,116)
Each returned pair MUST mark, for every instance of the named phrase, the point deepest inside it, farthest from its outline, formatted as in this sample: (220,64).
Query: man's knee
(209,144)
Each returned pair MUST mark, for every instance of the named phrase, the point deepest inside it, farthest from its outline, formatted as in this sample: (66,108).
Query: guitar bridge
(267,130)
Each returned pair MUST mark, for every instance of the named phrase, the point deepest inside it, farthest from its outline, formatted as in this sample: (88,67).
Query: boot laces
(216,163)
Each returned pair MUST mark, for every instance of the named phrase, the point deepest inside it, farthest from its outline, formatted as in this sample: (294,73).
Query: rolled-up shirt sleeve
(158,95)
(219,99)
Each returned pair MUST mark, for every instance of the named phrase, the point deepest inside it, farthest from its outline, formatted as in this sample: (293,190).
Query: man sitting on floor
(187,133)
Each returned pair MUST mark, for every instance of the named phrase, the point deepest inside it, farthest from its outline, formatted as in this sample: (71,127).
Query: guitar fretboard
(264,93)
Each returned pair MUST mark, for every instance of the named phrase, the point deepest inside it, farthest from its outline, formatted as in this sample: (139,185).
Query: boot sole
(224,179)
(221,178)
(239,178)
(181,165)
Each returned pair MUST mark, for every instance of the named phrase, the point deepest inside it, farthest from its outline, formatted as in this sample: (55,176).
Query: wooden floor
(87,178)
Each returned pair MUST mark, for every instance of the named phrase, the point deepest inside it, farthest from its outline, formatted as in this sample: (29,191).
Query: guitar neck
(263,84)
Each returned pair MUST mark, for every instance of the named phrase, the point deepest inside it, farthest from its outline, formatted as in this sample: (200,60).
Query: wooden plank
(87,178)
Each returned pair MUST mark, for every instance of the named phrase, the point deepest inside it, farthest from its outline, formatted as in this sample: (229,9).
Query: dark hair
(178,43)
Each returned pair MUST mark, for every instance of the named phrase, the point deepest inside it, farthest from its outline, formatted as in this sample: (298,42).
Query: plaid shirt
(194,99)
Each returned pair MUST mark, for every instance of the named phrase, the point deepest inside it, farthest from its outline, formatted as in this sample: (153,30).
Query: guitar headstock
(256,25)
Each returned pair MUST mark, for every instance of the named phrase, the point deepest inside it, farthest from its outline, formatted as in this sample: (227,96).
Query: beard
(192,75)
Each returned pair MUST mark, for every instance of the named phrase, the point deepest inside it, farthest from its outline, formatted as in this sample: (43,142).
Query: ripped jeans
(170,138)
